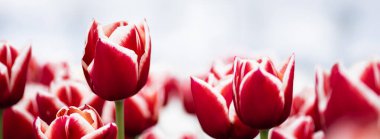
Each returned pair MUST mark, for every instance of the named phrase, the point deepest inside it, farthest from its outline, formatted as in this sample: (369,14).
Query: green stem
(1,123)
(264,134)
(119,105)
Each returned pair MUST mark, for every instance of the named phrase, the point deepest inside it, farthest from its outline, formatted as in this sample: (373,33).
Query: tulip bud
(117,59)
(262,94)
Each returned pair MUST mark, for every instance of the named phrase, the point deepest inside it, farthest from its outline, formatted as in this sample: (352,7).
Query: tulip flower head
(263,94)
(117,59)
(13,73)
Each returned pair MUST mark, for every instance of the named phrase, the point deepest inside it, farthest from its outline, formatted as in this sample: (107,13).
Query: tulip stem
(120,118)
(264,134)
(1,123)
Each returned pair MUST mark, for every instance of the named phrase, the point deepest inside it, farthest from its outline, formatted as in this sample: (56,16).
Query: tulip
(50,72)
(305,103)
(74,123)
(263,94)
(13,74)
(116,62)
(371,76)
(344,98)
(297,127)
(212,101)
(18,123)
(117,59)
(141,111)
(65,93)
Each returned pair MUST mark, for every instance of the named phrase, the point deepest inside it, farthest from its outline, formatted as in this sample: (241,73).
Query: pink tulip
(117,59)
(74,123)
(13,73)
(262,94)
(342,97)
(216,114)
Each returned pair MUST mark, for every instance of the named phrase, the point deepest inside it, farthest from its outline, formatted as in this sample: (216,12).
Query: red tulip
(371,76)
(117,59)
(65,93)
(263,94)
(140,111)
(298,127)
(342,97)
(186,96)
(13,73)
(212,99)
(74,123)
(306,103)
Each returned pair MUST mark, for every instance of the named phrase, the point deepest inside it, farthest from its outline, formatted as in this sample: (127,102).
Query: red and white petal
(261,102)
(371,76)
(363,103)
(40,128)
(287,88)
(211,109)
(48,106)
(144,61)
(113,71)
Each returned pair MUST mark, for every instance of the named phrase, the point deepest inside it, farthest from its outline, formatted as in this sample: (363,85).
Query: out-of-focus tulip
(17,124)
(371,76)
(215,112)
(186,96)
(342,97)
(296,127)
(117,59)
(263,94)
(50,72)
(306,103)
(352,130)
(13,73)
(65,93)
(74,123)
(140,111)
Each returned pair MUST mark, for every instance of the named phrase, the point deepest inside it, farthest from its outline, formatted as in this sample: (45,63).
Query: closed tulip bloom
(117,59)
(13,73)
(262,93)
(343,97)
(75,123)
(215,112)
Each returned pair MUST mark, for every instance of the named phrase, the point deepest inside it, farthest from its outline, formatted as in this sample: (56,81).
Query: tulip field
(191,70)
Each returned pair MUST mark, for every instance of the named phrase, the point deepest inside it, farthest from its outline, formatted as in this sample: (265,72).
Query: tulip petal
(363,103)
(57,128)
(15,120)
(239,129)
(211,109)
(89,50)
(137,114)
(40,128)
(110,28)
(96,102)
(77,126)
(70,93)
(108,131)
(19,74)
(261,103)
(371,76)
(287,88)
(110,60)
(48,106)
(4,89)
(144,62)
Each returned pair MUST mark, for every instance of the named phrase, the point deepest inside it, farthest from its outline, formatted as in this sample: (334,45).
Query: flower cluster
(239,97)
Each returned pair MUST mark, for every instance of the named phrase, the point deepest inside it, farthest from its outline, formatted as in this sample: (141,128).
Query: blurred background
(188,35)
